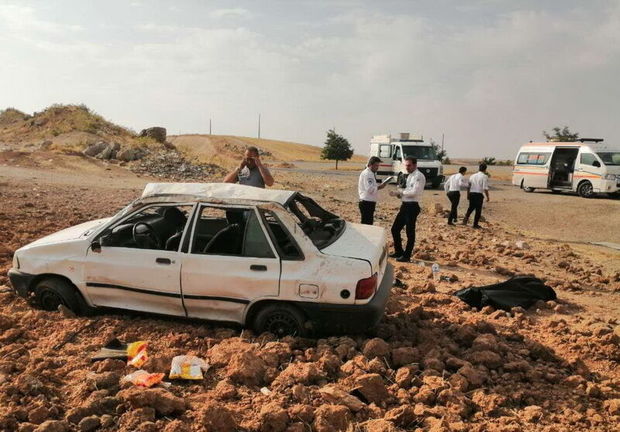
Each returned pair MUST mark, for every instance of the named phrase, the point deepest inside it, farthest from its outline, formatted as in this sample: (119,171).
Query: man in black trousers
(478,185)
(409,210)
(368,190)
(453,187)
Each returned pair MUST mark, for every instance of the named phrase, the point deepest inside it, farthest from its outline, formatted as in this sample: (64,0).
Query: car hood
(359,241)
(71,233)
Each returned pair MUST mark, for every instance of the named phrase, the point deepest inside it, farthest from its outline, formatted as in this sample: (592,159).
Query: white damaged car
(271,260)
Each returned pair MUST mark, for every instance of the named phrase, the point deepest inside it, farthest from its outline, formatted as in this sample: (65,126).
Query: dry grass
(225,150)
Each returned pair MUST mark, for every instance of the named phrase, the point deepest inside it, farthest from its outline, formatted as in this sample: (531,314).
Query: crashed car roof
(218,191)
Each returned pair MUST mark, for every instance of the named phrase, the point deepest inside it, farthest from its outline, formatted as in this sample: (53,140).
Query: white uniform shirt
(479,182)
(455,183)
(367,187)
(414,187)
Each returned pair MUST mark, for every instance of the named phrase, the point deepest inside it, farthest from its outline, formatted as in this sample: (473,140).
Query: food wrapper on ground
(188,367)
(136,353)
(143,378)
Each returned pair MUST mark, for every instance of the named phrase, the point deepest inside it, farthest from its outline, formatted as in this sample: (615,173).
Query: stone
(96,148)
(164,402)
(246,368)
(332,418)
(379,425)
(157,133)
(334,394)
(45,144)
(532,413)
(53,426)
(38,415)
(612,406)
(376,347)
(88,424)
(130,154)
(273,418)
(489,359)
(216,417)
(371,386)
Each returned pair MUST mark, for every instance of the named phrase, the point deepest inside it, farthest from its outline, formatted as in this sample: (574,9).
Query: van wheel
(585,190)
(52,292)
(280,320)
(529,189)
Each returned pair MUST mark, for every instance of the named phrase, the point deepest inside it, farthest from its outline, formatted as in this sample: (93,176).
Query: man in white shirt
(478,185)
(368,190)
(453,187)
(409,210)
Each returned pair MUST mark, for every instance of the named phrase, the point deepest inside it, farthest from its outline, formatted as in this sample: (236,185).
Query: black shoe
(465,221)
(396,255)
(403,259)
(477,226)
(450,223)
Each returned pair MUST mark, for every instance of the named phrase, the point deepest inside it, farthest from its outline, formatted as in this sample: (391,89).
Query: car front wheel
(51,293)
(585,190)
(280,320)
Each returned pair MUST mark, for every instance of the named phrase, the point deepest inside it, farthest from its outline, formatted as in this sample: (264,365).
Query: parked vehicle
(586,166)
(392,151)
(272,260)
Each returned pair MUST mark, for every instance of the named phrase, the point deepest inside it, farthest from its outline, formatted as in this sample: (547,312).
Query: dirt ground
(434,365)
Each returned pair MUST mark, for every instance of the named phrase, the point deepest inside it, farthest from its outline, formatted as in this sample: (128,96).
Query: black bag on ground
(521,291)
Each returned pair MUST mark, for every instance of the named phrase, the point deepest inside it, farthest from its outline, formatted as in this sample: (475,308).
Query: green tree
(561,134)
(440,153)
(336,148)
(488,160)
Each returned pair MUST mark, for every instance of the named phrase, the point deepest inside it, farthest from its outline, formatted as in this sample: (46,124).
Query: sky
(488,75)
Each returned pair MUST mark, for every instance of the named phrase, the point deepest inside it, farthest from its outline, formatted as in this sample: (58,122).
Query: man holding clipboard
(368,190)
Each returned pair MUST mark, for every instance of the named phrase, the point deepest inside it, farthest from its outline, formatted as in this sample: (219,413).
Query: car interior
(220,231)
(159,227)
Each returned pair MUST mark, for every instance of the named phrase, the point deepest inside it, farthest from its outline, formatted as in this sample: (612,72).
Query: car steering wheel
(149,234)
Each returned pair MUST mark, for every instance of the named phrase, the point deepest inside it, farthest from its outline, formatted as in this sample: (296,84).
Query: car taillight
(366,287)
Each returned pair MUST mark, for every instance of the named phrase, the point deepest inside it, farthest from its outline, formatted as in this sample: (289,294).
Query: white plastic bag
(188,367)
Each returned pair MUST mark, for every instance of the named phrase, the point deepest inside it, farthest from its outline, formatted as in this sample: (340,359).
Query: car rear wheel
(52,292)
(280,320)
(585,190)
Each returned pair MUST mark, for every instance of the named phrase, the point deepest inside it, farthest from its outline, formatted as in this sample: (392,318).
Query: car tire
(529,189)
(280,320)
(52,292)
(585,189)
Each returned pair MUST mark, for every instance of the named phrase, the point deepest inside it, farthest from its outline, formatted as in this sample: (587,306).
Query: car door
(230,263)
(120,274)
(588,167)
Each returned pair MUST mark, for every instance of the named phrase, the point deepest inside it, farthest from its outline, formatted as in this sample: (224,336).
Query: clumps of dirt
(172,165)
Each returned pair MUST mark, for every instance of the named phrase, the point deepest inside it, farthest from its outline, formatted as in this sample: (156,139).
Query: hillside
(225,150)
(65,125)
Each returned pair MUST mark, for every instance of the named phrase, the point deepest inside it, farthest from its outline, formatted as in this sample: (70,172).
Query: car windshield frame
(322,227)
(419,152)
(608,157)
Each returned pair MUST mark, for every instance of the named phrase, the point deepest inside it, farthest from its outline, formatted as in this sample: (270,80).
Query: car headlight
(610,177)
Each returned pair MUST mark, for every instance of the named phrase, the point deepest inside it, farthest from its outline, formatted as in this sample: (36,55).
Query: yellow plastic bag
(136,353)
(188,367)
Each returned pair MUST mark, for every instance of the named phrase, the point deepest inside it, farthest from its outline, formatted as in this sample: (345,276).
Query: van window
(397,153)
(385,151)
(587,158)
(610,158)
(533,158)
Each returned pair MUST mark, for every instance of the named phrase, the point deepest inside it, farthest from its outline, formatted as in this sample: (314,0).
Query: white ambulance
(394,150)
(586,166)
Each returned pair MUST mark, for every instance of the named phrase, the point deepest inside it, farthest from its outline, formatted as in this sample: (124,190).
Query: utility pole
(441,142)
(258,125)
(209,126)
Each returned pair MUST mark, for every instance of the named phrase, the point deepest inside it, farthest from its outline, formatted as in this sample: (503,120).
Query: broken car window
(321,226)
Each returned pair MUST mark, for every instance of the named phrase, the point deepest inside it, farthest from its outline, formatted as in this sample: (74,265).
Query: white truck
(394,150)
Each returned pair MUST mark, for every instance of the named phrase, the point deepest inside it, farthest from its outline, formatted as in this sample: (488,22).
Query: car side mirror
(95,246)
(596,164)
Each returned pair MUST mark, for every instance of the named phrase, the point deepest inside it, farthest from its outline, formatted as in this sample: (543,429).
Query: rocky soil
(434,364)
